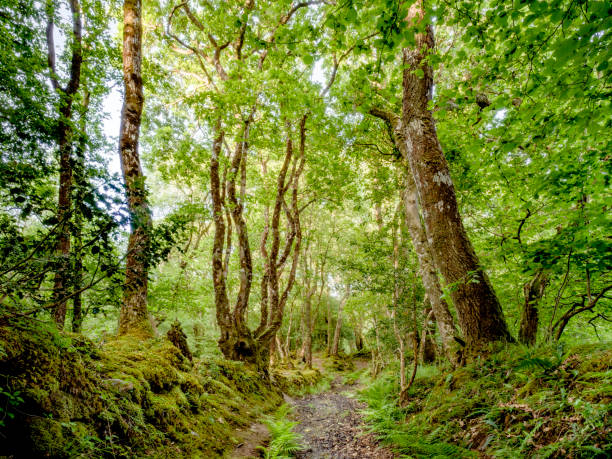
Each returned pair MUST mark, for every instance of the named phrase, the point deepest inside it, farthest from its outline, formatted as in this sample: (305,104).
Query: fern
(284,442)
(544,365)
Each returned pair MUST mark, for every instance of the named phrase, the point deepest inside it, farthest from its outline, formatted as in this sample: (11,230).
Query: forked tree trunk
(237,341)
(134,315)
(64,139)
(478,308)
(276,297)
(534,291)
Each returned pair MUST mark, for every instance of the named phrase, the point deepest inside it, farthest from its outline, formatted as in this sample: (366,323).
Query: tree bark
(534,291)
(427,269)
(427,348)
(64,139)
(337,332)
(310,288)
(330,328)
(308,330)
(358,337)
(81,183)
(134,315)
(277,258)
(478,308)
(237,341)
(429,274)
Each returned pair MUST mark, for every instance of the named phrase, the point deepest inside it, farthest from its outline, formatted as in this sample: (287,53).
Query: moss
(290,381)
(47,437)
(132,397)
(514,403)
(339,363)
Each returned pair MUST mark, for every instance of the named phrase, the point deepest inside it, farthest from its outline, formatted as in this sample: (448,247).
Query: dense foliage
(274,172)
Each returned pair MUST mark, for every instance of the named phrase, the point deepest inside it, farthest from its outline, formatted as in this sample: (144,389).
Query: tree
(65,143)
(412,216)
(479,311)
(134,314)
(337,332)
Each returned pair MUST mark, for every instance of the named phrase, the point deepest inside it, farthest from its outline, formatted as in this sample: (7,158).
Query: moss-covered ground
(63,396)
(516,402)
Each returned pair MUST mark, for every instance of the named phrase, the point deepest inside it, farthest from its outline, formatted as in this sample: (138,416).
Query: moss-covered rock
(132,397)
(290,381)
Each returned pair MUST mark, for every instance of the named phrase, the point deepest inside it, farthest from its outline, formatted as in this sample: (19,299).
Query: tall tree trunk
(288,337)
(308,331)
(377,362)
(330,327)
(427,269)
(64,139)
(337,333)
(478,308)
(310,287)
(534,291)
(134,315)
(81,183)
(358,337)
(429,274)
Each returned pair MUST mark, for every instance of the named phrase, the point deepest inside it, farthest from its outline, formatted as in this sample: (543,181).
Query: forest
(312,229)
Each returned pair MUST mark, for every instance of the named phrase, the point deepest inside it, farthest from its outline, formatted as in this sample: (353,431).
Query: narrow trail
(332,427)
(331,424)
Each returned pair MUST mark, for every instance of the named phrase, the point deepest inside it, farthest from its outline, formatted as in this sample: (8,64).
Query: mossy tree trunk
(80,184)
(416,230)
(478,308)
(134,315)
(534,291)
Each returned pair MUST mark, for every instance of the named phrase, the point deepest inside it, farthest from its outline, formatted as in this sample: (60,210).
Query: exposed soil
(332,426)
(329,423)
(254,437)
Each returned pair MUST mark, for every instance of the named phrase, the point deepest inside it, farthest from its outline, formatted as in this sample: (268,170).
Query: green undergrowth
(323,384)
(63,396)
(338,363)
(356,376)
(515,403)
(284,442)
(295,381)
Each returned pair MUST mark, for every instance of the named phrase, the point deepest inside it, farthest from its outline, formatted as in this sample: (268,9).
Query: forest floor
(329,423)
(332,427)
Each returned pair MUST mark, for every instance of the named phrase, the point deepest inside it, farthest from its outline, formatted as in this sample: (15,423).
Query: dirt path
(332,426)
